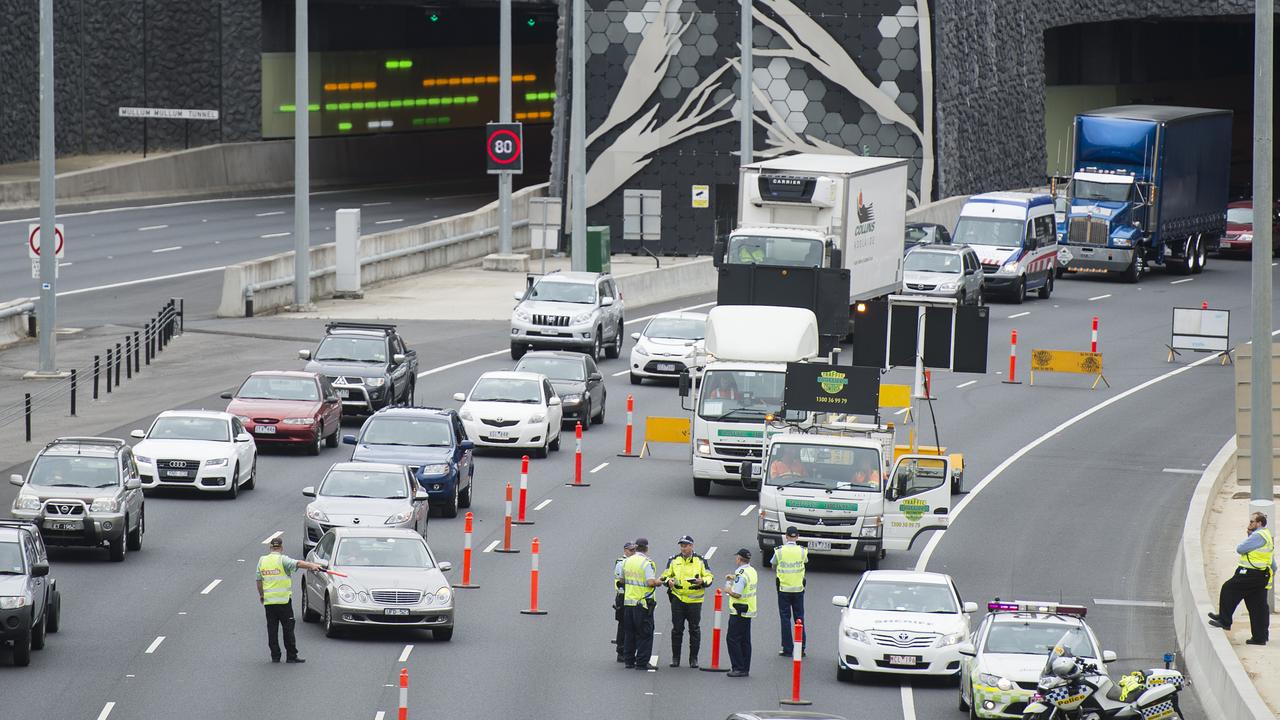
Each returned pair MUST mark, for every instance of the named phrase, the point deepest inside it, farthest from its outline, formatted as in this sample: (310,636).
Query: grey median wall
(13,320)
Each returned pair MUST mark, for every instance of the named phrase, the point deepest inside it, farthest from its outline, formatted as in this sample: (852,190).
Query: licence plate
(396,611)
(66,525)
(498,434)
(910,660)
(666,367)
(177,473)
(344,394)
(265,429)
(819,545)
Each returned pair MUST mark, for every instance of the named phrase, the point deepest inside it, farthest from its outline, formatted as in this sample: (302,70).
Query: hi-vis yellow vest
(682,571)
(791,559)
(1261,558)
(277,587)
(748,593)
(637,590)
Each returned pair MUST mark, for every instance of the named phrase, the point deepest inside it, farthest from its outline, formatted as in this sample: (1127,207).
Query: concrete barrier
(384,256)
(13,320)
(668,282)
(1215,670)
(943,212)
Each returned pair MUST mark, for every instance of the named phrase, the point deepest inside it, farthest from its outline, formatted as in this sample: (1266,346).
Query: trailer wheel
(1201,255)
(1134,273)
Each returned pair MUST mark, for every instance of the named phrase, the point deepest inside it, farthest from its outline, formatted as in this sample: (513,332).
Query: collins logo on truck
(866,213)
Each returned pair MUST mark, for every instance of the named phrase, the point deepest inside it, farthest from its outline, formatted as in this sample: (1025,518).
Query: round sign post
(33,241)
(504,148)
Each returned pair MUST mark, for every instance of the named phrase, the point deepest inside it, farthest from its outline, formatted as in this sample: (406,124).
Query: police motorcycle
(1073,688)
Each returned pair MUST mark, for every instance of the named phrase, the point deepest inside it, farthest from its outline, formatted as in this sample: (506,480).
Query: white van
(1015,236)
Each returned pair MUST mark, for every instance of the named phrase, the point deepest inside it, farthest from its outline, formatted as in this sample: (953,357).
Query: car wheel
(451,510)
(843,674)
(1020,293)
(541,451)
(464,499)
(636,379)
(135,535)
(413,389)
(22,650)
(233,484)
(331,440)
(308,615)
(253,475)
(116,548)
(442,634)
(330,629)
(600,415)
(38,632)
(587,415)
(55,611)
(766,556)
(615,349)
(518,350)
(1047,289)
(701,487)
(597,349)
(554,444)
(314,448)
(961,705)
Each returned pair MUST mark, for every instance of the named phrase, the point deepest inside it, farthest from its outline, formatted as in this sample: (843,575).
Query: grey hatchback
(30,603)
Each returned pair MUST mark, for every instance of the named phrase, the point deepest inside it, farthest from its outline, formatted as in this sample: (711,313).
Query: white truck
(816,210)
(741,382)
(837,483)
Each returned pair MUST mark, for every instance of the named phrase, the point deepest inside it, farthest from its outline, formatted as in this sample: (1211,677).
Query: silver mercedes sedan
(385,577)
(358,494)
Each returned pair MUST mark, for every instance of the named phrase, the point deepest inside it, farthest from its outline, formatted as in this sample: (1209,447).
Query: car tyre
(233,484)
(451,510)
(38,632)
(615,349)
(22,650)
(766,557)
(518,350)
(308,615)
(1047,289)
(253,476)
(134,538)
(587,416)
(331,629)
(597,347)
(701,487)
(411,391)
(442,634)
(331,440)
(116,549)
(1020,293)
(600,415)
(314,448)
(55,611)
(636,379)
(843,674)
(554,444)
(961,705)
(541,451)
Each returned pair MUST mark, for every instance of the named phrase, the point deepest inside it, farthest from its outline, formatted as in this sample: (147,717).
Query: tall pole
(301,160)
(504,115)
(1260,456)
(578,138)
(48,236)
(747,137)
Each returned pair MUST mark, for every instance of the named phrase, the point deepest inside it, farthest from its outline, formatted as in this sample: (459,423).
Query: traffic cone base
(511,551)
(460,586)
(710,669)
(574,484)
(533,612)
(521,522)
(789,701)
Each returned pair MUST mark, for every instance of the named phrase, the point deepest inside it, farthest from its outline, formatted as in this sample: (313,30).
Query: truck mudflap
(1082,258)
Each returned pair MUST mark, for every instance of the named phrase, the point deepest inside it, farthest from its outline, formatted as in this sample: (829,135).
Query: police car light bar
(1037,607)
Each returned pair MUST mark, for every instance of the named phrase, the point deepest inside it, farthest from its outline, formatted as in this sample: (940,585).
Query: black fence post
(108,368)
(73,392)
(118,357)
(32,330)
(177,305)
(27,406)
(146,334)
(95,376)
(137,351)
(128,357)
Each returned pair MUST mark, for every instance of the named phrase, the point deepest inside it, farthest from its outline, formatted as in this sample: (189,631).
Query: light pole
(746,133)
(578,138)
(301,160)
(48,313)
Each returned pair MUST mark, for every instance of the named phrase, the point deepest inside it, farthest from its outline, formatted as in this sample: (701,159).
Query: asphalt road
(1087,514)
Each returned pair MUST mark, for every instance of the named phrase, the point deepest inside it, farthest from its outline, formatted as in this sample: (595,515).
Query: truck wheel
(1136,268)
(1047,289)
(1201,255)
(701,487)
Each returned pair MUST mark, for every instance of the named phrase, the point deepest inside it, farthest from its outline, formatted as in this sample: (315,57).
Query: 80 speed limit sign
(504,147)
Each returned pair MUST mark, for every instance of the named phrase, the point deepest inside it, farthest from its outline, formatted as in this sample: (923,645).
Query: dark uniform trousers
(280,617)
(681,613)
(620,615)
(790,609)
(738,642)
(638,634)
(1250,586)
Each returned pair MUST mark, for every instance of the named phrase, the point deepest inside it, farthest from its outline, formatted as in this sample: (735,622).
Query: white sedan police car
(201,450)
(902,622)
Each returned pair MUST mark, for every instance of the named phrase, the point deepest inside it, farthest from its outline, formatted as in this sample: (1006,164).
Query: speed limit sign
(504,147)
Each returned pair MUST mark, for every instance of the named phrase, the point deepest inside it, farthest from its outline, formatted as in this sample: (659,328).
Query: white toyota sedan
(667,346)
(201,450)
(902,622)
(512,410)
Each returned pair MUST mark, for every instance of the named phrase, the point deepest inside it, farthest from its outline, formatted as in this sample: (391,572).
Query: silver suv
(30,603)
(569,310)
(84,491)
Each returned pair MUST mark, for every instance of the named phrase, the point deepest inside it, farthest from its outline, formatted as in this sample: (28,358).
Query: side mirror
(606,301)
(322,563)
(840,601)
(226,396)
(309,491)
(968,650)
(133,484)
(304,354)
(746,472)
(517,296)
(890,491)
(595,377)
(445,566)
(635,336)
(718,249)
(467,445)
(970,607)
(420,496)
(39,569)
(553,401)
(398,358)
(140,434)
(244,437)
(684,384)
(331,400)
(1108,656)
(15,479)
(460,397)
(837,257)
(348,439)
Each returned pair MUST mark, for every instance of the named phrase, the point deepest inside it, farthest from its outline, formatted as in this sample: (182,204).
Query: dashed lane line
(106,711)
(167,249)
(154,644)
(599,467)
(459,363)
(404,654)
(747,512)
(273,213)
(209,588)
(908,702)
(542,504)
(710,552)
(375,204)
(1179,282)
(653,662)
(492,545)
(1015,316)
(268,236)
(1182,471)
(1100,297)
(965,384)
(389,222)
(273,536)
(149,228)
(380,714)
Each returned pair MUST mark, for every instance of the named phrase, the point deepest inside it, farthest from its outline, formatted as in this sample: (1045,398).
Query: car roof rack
(385,328)
(20,524)
(76,440)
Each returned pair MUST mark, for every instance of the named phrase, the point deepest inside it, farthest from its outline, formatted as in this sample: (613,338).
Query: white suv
(568,310)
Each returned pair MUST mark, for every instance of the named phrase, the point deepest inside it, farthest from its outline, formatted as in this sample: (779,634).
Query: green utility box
(598,249)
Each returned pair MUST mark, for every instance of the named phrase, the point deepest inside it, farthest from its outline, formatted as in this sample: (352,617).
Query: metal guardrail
(28,307)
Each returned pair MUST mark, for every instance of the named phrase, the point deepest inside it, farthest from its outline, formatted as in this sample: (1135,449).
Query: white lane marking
(66,264)
(1024,313)
(452,365)
(149,228)
(273,536)
(598,468)
(965,384)
(908,703)
(653,662)
(209,588)
(268,236)
(404,654)
(154,644)
(388,222)
(1100,297)
(106,711)
(1183,471)
(542,504)
(128,283)
(375,204)
(710,551)
(903,411)
(167,249)
(1177,282)
(380,714)
(621,372)
(492,545)
(182,612)
(747,512)
(269,214)
(1133,603)
(683,309)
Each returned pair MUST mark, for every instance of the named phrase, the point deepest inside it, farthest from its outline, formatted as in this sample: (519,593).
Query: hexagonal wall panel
(779,67)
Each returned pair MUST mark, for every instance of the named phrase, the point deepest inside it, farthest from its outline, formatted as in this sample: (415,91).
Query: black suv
(368,364)
(30,604)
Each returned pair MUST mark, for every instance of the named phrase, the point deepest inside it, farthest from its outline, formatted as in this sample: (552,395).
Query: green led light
(433,101)
(531,22)
(420,102)
(288,108)
(396,103)
(330,107)
(446,101)
(344,126)
(534,96)
(433,17)
(382,104)
(314,107)
(472,99)
(398,64)
(406,64)
(345,106)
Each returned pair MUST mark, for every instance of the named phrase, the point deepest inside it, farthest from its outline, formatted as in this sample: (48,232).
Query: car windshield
(822,466)
(364,484)
(1036,638)
(556,368)
(408,431)
(741,395)
(935,262)
(676,328)
(1240,216)
(570,292)
(989,231)
(77,471)
(791,252)
(382,552)
(10,559)
(274,387)
(506,390)
(1106,192)
(190,428)
(905,596)
(352,349)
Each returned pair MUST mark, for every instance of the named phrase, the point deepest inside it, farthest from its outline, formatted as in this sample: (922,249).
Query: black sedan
(925,233)
(576,380)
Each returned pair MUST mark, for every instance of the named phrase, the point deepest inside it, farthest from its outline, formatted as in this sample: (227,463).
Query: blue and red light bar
(1026,606)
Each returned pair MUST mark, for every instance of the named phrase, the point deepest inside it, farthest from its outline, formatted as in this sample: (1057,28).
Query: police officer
(687,576)
(741,586)
(1250,582)
(641,577)
(275,592)
(789,561)
(619,586)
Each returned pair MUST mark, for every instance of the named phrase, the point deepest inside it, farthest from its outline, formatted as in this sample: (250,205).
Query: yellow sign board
(666,429)
(895,396)
(1067,361)
(701,196)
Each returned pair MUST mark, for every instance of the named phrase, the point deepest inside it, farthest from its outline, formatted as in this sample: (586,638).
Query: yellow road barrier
(1068,361)
(665,430)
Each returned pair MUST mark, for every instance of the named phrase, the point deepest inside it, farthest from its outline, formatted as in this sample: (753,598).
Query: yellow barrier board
(1067,361)
(895,396)
(666,429)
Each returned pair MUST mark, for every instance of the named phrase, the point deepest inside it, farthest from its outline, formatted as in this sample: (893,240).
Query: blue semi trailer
(1148,188)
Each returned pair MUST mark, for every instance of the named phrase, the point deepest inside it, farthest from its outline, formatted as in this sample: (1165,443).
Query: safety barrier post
(96,360)
(715,634)
(74,384)
(146,333)
(577,458)
(128,357)
(797,655)
(533,584)
(108,369)
(404,694)
(631,406)
(137,351)
(1013,358)
(1204,304)
(1093,343)
(524,491)
(506,528)
(466,555)
(118,357)
(26,403)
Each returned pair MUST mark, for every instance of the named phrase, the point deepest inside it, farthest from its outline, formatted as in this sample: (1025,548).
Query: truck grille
(1087,231)
(551,320)
(903,639)
(396,597)
(738,451)
(820,521)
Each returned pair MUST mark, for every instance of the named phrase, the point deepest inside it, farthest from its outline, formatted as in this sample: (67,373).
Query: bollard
(715,635)
(631,406)
(146,333)
(466,555)
(119,356)
(506,528)
(1013,358)
(533,583)
(248,302)
(404,694)
(577,458)
(1204,304)
(128,357)
(96,359)
(26,403)
(524,491)
(180,309)
(797,655)
(1093,342)
(74,384)
(108,369)
(137,363)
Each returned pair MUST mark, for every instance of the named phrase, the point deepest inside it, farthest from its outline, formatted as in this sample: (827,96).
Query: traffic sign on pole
(504,147)
(33,241)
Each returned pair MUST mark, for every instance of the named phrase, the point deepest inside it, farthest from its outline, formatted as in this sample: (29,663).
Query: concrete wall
(13,323)
(674,279)
(1215,670)
(430,248)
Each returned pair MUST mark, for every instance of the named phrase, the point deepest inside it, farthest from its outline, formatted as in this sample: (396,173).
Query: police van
(1015,236)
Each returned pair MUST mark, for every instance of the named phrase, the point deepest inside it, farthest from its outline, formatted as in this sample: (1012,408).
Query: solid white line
(152,227)
(128,283)
(388,222)
(154,644)
(908,703)
(268,236)
(1183,471)
(1024,313)
(375,204)
(965,384)
(1100,297)
(492,545)
(106,711)
(452,365)
(903,411)
(598,468)
(542,504)
(167,249)
(273,536)
(683,309)
(209,588)
(404,654)
(1175,282)
(1133,603)
(621,373)
(710,551)
(269,214)
(747,512)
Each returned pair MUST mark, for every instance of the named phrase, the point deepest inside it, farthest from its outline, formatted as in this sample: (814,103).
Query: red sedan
(289,408)
(1239,235)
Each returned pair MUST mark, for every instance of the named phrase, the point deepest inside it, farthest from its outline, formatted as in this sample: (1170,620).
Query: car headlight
(571,399)
(216,462)
(1009,266)
(856,635)
(536,418)
(639,349)
(770,526)
(1246,237)
(143,459)
(951,639)
(704,447)
(948,286)
(581,318)
(522,315)
(27,502)
(436,469)
(444,596)
(466,415)
(13,602)
(1121,242)
(871,528)
(346,593)
(245,419)
(104,505)
(995,681)
(400,517)
(299,421)
(375,382)
(317,515)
